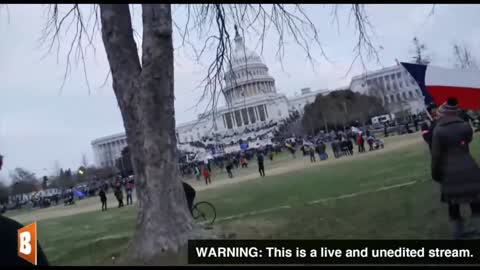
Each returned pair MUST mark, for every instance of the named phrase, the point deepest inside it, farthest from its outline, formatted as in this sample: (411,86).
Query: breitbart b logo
(27,243)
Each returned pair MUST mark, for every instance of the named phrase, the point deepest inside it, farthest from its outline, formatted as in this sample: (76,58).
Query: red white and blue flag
(438,84)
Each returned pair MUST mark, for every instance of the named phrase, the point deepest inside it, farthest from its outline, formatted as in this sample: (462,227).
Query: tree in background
(23,181)
(64,180)
(341,109)
(419,52)
(463,57)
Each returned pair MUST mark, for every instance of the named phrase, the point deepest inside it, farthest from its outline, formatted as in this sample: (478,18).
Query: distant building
(396,88)
(107,149)
(252,102)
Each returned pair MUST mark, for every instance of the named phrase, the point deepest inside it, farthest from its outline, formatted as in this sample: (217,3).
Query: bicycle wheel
(204,212)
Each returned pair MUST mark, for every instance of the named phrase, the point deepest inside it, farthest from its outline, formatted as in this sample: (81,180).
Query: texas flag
(438,84)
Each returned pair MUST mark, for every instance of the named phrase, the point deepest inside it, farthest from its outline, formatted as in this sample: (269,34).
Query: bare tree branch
(287,20)
(364,43)
(463,57)
(432,11)
(52,37)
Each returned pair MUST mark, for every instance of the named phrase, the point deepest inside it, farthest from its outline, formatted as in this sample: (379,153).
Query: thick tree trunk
(145,95)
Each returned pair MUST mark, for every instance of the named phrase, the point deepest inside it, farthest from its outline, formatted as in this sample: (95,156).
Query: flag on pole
(438,84)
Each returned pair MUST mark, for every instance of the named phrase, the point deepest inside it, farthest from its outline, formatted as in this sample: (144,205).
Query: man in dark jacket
(335,148)
(261,167)
(189,194)
(103,199)
(454,168)
(9,242)
(311,151)
(322,151)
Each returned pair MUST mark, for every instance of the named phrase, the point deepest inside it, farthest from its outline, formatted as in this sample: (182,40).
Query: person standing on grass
(9,242)
(350,146)
(229,167)
(206,175)
(196,169)
(103,199)
(244,162)
(129,190)
(454,168)
(312,154)
(370,143)
(119,194)
(323,151)
(270,155)
(261,167)
(209,166)
(291,149)
(302,148)
(361,143)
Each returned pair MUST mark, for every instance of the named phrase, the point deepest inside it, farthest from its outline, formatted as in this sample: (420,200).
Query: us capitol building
(252,103)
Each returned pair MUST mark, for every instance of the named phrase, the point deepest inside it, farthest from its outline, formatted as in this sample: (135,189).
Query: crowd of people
(341,144)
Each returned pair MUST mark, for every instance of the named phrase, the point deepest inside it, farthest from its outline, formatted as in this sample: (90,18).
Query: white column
(266,112)
(256,113)
(224,121)
(248,115)
(241,117)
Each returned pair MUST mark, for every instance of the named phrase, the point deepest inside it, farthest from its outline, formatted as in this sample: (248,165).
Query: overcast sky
(40,125)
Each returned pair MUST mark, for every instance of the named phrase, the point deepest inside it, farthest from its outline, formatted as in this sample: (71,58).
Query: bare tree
(23,181)
(419,52)
(463,57)
(144,89)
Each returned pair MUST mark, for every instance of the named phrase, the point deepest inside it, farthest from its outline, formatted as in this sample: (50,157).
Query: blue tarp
(79,194)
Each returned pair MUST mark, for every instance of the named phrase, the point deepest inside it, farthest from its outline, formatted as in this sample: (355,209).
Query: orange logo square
(27,243)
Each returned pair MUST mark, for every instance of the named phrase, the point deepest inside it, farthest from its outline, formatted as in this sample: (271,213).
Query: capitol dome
(247,76)
(243,55)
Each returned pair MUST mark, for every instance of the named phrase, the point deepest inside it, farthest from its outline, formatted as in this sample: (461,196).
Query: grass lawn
(409,212)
